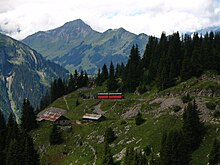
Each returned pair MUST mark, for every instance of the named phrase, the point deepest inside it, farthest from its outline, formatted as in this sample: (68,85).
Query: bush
(109,135)
(77,102)
(176,108)
(187,98)
(123,122)
(55,136)
(216,114)
(210,105)
(139,119)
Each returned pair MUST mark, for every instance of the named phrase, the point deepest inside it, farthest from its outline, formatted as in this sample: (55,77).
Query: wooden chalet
(57,118)
(93,117)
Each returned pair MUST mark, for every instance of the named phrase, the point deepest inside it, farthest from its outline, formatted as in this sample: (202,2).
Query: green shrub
(216,114)
(176,108)
(123,122)
(187,98)
(211,105)
(139,119)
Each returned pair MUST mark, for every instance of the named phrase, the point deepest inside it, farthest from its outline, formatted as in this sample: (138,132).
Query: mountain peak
(76,25)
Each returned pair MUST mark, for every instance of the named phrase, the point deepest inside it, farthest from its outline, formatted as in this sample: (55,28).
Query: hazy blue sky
(138,16)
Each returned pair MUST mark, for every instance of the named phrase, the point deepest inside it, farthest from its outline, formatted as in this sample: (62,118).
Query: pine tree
(12,129)
(85,79)
(45,100)
(12,157)
(132,77)
(81,79)
(60,88)
(129,156)
(111,83)
(214,157)
(99,78)
(193,128)
(139,119)
(71,84)
(30,154)
(107,158)
(3,132)
(28,119)
(173,149)
(109,135)
(104,74)
(55,136)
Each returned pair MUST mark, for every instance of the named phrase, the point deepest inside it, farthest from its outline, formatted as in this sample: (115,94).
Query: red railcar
(110,96)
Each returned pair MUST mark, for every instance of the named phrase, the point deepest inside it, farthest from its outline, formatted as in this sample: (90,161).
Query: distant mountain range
(215,29)
(24,73)
(75,45)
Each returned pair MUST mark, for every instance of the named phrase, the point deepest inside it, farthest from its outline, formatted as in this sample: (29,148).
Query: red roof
(51,116)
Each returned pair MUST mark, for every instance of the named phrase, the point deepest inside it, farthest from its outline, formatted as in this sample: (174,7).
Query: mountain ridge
(91,49)
(24,73)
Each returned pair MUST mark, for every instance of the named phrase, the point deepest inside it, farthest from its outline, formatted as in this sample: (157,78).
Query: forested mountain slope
(24,73)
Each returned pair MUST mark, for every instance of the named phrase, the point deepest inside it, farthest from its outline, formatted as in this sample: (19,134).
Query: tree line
(59,87)
(16,144)
(165,62)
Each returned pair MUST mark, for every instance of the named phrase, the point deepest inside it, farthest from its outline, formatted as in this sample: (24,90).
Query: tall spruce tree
(12,129)
(107,158)
(3,132)
(12,154)
(71,84)
(99,78)
(214,156)
(28,119)
(104,74)
(109,135)
(30,154)
(111,83)
(174,150)
(133,75)
(193,128)
(55,136)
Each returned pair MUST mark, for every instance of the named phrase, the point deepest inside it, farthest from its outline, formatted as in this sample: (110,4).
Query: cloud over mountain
(23,17)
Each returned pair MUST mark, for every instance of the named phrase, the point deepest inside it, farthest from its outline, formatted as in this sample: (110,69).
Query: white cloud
(138,16)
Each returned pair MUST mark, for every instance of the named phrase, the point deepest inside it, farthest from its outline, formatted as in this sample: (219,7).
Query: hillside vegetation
(162,111)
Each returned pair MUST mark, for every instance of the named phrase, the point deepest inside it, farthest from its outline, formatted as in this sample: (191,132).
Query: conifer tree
(99,78)
(104,74)
(129,157)
(214,157)
(139,119)
(193,128)
(107,158)
(173,149)
(12,129)
(85,79)
(71,84)
(109,135)
(55,136)
(132,79)
(60,88)
(111,83)
(30,154)
(12,156)
(76,79)
(3,132)
(28,119)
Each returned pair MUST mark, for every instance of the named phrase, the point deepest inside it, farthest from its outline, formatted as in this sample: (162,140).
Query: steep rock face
(24,73)
(75,45)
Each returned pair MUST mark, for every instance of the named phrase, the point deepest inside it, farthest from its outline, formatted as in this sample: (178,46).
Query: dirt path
(67,106)
(94,153)
(97,109)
